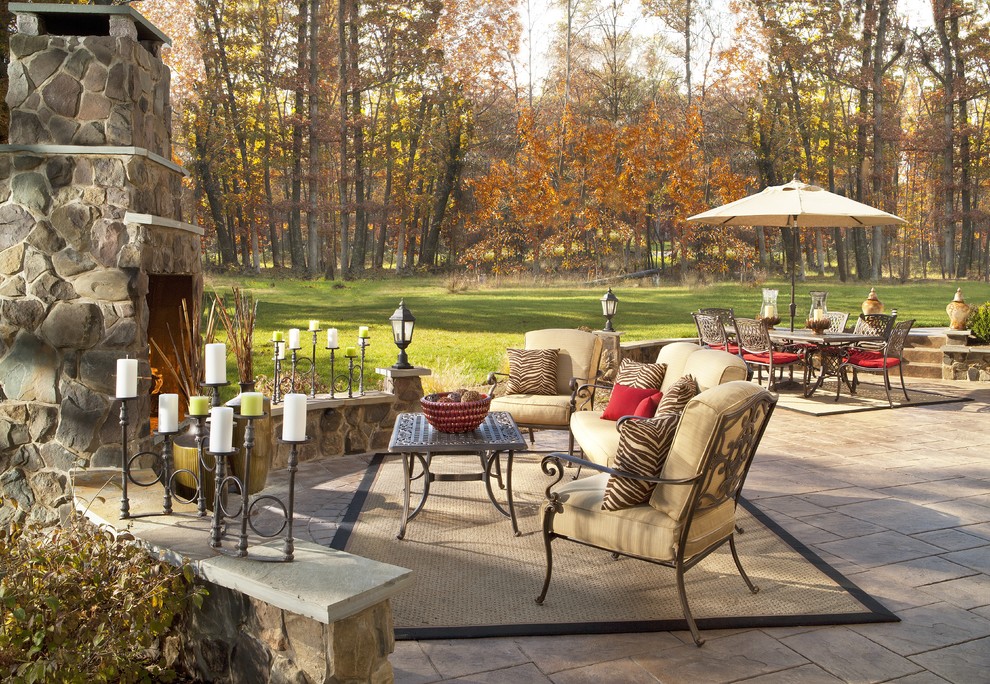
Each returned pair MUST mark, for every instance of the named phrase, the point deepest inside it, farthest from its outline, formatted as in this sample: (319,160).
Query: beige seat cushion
(641,530)
(575,357)
(693,435)
(599,438)
(535,409)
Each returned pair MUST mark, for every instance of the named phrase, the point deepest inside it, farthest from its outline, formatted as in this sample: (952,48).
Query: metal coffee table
(416,439)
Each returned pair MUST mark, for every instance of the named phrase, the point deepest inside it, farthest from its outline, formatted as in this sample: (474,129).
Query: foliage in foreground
(77,606)
(979,323)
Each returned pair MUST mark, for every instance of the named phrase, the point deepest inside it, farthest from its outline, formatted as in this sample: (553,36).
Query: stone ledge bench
(323,617)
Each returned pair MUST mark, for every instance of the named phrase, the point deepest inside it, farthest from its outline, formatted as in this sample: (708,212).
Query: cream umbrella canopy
(796,205)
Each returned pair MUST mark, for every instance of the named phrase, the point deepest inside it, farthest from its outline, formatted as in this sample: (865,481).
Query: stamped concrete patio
(898,500)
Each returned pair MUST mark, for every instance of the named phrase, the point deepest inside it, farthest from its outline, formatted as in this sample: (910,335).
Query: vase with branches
(239,326)
(185,365)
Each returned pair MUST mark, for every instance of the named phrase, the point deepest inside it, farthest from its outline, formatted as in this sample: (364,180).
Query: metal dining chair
(712,333)
(758,351)
(873,361)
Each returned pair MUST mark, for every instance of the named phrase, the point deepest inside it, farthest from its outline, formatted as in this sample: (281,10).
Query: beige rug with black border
(474,578)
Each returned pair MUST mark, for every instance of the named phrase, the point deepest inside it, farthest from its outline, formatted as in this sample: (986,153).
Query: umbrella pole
(795,246)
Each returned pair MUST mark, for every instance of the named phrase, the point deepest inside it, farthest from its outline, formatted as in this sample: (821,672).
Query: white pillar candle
(294,338)
(280,351)
(127,378)
(168,412)
(314,325)
(221,429)
(216,364)
(294,418)
(332,339)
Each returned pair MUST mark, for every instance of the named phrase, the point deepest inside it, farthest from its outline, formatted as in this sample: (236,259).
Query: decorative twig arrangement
(240,330)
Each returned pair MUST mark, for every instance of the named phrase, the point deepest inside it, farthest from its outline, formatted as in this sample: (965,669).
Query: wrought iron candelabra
(312,369)
(165,474)
(277,362)
(363,342)
(333,370)
(226,484)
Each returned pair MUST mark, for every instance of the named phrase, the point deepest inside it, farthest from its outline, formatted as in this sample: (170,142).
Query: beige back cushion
(694,434)
(575,356)
(675,355)
(711,367)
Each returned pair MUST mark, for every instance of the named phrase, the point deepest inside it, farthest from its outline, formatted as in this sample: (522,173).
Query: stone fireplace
(94,256)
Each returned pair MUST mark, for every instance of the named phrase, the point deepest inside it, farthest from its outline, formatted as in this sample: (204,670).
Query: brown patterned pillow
(642,375)
(678,395)
(643,449)
(532,371)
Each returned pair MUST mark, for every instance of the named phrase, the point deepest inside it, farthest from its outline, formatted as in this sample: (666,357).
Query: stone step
(930,340)
(923,355)
(928,371)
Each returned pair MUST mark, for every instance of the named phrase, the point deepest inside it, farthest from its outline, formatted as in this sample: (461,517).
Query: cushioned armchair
(691,511)
(578,362)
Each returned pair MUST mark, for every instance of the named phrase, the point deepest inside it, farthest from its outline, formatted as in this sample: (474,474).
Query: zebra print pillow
(532,371)
(641,375)
(643,448)
(678,395)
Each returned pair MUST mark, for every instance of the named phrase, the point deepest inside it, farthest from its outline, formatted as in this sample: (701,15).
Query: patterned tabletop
(413,434)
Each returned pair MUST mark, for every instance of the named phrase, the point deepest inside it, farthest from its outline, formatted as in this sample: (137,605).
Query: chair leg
(547,540)
(735,556)
(900,370)
(684,606)
(532,437)
(886,386)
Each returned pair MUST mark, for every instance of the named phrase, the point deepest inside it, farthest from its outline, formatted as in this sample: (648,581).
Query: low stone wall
(960,362)
(236,638)
(647,350)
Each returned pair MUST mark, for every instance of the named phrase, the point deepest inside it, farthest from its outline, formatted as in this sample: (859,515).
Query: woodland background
(347,138)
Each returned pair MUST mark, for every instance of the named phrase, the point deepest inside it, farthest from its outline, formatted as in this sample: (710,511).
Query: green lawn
(462,335)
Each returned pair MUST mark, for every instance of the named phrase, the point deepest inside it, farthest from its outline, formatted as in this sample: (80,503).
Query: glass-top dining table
(831,348)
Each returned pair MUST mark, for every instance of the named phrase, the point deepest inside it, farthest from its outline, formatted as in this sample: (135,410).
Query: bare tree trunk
(360,244)
(343,88)
(313,213)
(296,251)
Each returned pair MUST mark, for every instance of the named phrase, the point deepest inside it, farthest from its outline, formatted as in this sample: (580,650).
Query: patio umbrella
(796,205)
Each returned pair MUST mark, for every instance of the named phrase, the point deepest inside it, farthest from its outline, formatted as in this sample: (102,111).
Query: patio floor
(898,500)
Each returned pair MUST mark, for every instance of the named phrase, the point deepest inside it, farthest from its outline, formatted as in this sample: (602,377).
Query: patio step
(923,355)
(923,370)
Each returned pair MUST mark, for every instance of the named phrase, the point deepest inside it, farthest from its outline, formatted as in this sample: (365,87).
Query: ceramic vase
(958,311)
(872,304)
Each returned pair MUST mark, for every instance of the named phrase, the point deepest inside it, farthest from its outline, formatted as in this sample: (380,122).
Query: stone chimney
(94,255)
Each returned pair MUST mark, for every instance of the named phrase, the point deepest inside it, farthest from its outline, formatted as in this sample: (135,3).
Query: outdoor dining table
(830,347)
(416,439)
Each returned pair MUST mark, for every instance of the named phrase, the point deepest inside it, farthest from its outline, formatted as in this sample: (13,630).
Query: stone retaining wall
(966,363)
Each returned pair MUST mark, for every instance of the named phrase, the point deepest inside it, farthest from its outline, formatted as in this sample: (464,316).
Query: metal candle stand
(363,342)
(332,370)
(311,371)
(166,475)
(277,361)
(244,512)
(214,391)
(350,377)
(223,483)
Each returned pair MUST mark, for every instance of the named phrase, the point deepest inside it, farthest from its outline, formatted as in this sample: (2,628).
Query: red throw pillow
(648,407)
(626,400)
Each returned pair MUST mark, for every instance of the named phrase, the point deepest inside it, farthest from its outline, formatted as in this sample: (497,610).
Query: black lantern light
(403,323)
(609,303)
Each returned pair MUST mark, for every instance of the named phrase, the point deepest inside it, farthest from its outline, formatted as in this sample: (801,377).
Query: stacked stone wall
(88,90)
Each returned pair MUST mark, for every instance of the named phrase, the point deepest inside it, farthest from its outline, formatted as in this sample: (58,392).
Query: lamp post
(403,323)
(609,303)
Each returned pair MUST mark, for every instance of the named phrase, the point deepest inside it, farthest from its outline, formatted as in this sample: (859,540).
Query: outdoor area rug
(473,578)
(868,397)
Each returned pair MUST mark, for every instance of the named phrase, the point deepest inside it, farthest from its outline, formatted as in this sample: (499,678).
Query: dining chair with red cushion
(711,331)
(758,351)
(872,361)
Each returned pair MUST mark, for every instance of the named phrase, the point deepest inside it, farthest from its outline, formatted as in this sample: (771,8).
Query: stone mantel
(93,150)
(162,222)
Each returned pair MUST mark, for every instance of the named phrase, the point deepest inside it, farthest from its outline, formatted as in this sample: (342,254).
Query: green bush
(979,323)
(78,606)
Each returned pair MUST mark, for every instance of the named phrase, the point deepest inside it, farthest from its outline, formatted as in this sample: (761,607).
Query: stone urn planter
(958,311)
(872,303)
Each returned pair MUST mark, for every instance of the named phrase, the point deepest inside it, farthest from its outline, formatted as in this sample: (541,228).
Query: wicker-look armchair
(692,510)
(578,363)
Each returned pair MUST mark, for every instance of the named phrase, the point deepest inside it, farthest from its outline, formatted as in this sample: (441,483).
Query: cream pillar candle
(314,325)
(332,342)
(294,418)
(168,413)
(216,363)
(294,338)
(127,378)
(221,429)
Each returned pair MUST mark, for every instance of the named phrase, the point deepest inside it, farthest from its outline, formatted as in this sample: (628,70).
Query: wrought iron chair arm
(585,392)
(492,381)
(554,460)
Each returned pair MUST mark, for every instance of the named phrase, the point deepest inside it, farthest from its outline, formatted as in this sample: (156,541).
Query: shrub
(979,323)
(78,606)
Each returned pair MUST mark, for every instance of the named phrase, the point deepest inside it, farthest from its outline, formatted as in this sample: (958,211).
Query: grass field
(463,334)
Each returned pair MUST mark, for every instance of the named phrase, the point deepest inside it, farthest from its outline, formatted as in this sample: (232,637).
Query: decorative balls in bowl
(460,411)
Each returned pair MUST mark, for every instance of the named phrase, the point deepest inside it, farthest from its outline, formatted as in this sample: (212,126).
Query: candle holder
(166,475)
(277,364)
(300,365)
(214,391)
(288,549)
(312,370)
(220,486)
(200,438)
(333,370)
(363,342)
(350,377)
